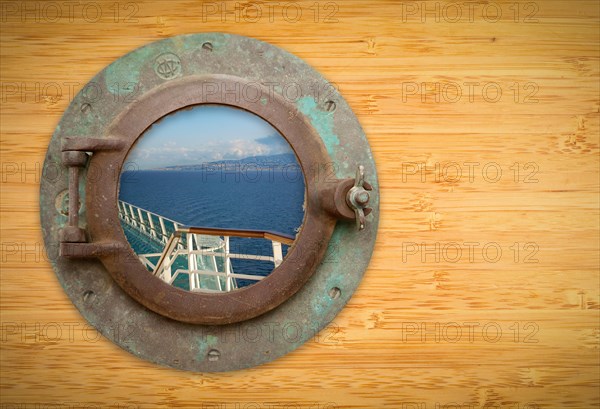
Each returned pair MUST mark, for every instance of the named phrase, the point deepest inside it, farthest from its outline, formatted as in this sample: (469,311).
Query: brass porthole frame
(106,280)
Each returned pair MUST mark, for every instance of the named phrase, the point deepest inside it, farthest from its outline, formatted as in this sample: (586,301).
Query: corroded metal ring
(106,280)
(210,308)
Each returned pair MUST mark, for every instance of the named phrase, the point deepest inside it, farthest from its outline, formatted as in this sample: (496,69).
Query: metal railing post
(227,265)
(152,231)
(133,221)
(163,229)
(142,224)
(192,265)
(277,253)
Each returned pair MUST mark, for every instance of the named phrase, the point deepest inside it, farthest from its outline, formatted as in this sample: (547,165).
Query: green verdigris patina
(322,121)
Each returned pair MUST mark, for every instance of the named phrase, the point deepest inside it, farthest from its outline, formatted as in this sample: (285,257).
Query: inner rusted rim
(303,256)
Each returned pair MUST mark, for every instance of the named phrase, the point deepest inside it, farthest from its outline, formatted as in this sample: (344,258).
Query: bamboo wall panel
(442,319)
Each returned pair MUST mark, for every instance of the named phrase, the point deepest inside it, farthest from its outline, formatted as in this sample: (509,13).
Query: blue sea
(261,200)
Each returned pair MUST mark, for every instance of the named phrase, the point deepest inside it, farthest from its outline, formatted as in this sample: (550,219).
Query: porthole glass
(211,198)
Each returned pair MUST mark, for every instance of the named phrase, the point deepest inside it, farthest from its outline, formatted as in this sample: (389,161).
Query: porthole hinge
(73,241)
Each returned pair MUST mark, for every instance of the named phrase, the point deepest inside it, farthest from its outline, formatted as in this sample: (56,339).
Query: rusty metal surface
(323,268)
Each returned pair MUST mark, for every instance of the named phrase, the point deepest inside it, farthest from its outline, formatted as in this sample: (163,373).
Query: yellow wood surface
(428,327)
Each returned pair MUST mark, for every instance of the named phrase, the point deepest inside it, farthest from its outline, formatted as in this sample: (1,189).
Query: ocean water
(261,200)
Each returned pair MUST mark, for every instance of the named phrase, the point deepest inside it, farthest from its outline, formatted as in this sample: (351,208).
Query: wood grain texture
(429,325)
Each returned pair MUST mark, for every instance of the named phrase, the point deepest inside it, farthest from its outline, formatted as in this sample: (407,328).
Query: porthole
(317,261)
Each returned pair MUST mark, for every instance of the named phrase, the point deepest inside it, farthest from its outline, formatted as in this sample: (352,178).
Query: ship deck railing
(206,251)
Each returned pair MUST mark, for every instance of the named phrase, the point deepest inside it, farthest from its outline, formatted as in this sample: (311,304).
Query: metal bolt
(207,46)
(89,296)
(214,355)
(362,198)
(329,106)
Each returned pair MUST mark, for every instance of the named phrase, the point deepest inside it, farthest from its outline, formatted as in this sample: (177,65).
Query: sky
(206,133)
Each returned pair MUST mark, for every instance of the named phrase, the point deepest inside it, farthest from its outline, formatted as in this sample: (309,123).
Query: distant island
(253,162)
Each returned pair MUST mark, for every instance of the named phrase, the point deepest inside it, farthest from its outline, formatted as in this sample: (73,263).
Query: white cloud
(169,154)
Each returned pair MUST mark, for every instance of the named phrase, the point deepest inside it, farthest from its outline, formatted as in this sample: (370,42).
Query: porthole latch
(349,199)
(358,197)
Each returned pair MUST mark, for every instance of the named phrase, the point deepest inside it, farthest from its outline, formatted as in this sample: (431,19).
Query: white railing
(198,249)
(146,221)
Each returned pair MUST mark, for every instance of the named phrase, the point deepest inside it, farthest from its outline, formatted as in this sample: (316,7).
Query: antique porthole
(144,242)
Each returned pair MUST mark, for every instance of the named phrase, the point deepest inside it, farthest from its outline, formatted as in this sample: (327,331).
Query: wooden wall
(449,95)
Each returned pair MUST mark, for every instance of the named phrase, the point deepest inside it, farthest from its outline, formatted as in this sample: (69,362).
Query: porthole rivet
(214,355)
